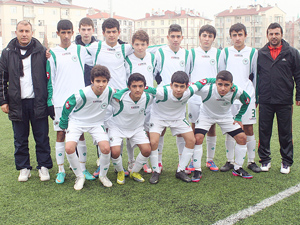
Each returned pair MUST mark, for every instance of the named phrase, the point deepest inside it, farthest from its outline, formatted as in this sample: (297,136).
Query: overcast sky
(136,9)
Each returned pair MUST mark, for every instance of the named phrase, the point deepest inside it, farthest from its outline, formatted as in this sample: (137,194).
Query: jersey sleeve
(51,74)
(222,60)
(151,90)
(201,83)
(128,49)
(158,62)
(203,92)
(245,100)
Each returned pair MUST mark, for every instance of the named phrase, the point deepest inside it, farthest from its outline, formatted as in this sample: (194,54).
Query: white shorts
(147,118)
(58,112)
(74,132)
(194,112)
(250,115)
(226,124)
(137,136)
(176,126)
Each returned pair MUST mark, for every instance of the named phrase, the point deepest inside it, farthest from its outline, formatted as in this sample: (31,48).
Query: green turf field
(171,201)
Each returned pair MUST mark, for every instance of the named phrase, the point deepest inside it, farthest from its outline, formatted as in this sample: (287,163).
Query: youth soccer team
(106,88)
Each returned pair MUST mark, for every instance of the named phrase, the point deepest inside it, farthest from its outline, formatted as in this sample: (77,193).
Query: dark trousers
(40,129)
(284,122)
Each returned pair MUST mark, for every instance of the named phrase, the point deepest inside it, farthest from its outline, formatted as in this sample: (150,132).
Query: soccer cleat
(255,168)
(130,165)
(79,182)
(187,171)
(285,169)
(147,168)
(265,167)
(125,171)
(60,178)
(212,166)
(183,176)
(88,176)
(105,181)
(24,175)
(228,166)
(121,177)
(154,178)
(160,166)
(191,167)
(97,172)
(242,173)
(197,176)
(137,177)
(44,174)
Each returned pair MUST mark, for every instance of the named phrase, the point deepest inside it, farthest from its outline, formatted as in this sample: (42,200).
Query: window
(162,40)
(139,24)
(247,19)
(130,23)
(125,22)
(13,34)
(41,22)
(13,22)
(152,23)
(162,22)
(228,19)
(182,21)
(145,23)
(41,11)
(153,31)
(13,10)
(54,35)
(124,31)
(161,31)
(41,34)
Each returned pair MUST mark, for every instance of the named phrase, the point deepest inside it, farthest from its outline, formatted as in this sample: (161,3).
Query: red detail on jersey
(146,88)
(48,75)
(67,105)
(203,81)
(247,101)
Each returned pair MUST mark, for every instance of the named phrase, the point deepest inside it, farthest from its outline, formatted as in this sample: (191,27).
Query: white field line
(243,214)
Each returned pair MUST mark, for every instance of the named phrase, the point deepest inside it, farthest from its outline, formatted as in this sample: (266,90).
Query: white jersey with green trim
(113,58)
(168,62)
(65,71)
(129,115)
(144,66)
(204,64)
(241,64)
(85,108)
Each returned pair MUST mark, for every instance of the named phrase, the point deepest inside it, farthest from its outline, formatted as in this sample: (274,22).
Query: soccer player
(204,62)
(217,100)
(142,62)
(129,106)
(65,76)
(168,110)
(85,112)
(241,61)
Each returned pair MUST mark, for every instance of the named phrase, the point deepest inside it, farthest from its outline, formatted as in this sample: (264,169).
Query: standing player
(217,100)
(85,112)
(241,61)
(65,70)
(204,62)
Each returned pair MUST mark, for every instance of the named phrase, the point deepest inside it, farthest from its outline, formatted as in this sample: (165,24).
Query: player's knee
(190,142)
(146,151)
(69,150)
(115,154)
(241,139)
(199,139)
(105,149)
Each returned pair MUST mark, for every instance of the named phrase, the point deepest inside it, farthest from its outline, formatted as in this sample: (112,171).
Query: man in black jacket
(278,69)
(23,95)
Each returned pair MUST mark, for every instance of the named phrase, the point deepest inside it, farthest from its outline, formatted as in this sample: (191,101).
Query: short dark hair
(86,22)
(110,23)
(100,71)
(64,25)
(175,28)
(180,77)
(225,75)
(25,23)
(209,29)
(237,27)
(140,35)
(136,77)
(274,26)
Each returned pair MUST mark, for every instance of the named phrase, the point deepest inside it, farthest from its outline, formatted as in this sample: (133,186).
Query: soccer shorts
(250,115)
(58,112)
(194,112)
(176,126)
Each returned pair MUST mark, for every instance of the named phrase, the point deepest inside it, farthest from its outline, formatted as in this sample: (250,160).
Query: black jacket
(276,78)
(10,91)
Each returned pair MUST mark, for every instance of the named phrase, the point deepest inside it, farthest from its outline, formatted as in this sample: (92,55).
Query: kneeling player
(85,112)
(216,108)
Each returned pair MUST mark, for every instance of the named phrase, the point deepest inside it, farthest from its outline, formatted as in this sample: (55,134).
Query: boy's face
(223,86)
(175,39)
(65,37)
(238,39)
(99,85)
(178,89)
(86,32)
(140,48)
(206,40)
(111,36)
(137,89)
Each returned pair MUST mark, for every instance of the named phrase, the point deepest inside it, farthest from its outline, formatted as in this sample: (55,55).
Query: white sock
(160,148)
(130,151)
(211,147)
(251,145)
(74,163)
(60,155)
(82,151)
(198,151)
(118,163)
(154,161)
(240,153)
(180,146)
(185,158)
(139,162)
(61,168)
(229,143)
(104,164)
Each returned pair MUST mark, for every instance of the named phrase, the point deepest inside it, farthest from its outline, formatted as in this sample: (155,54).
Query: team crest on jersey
(118,55)
(48,75)
(142,111)
(181,63)
(190,115)
(149,68)
(212,62)
(104,105)
(226,103)
(245,61)
(67,105)
(74,58)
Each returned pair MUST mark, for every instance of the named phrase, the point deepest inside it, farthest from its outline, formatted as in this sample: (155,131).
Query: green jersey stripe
(98,51)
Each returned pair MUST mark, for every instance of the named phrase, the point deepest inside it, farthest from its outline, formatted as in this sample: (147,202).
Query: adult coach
(23,87)
(278,69)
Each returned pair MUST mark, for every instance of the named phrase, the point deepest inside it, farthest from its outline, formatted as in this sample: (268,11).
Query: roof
(243,12)
(55,4)
(174,15)
(106,15)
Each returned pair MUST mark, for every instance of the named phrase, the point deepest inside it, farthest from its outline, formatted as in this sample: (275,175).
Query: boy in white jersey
(142,62)
(85,112)
(168,110)
(65,70)
(129,108)
(216,108)
(241,61)
(204,62)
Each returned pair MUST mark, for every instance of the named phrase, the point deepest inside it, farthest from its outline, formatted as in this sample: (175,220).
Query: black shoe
(154,178)
(242,173)
(228,166)
(183,176)
(197,176)
(255,168)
